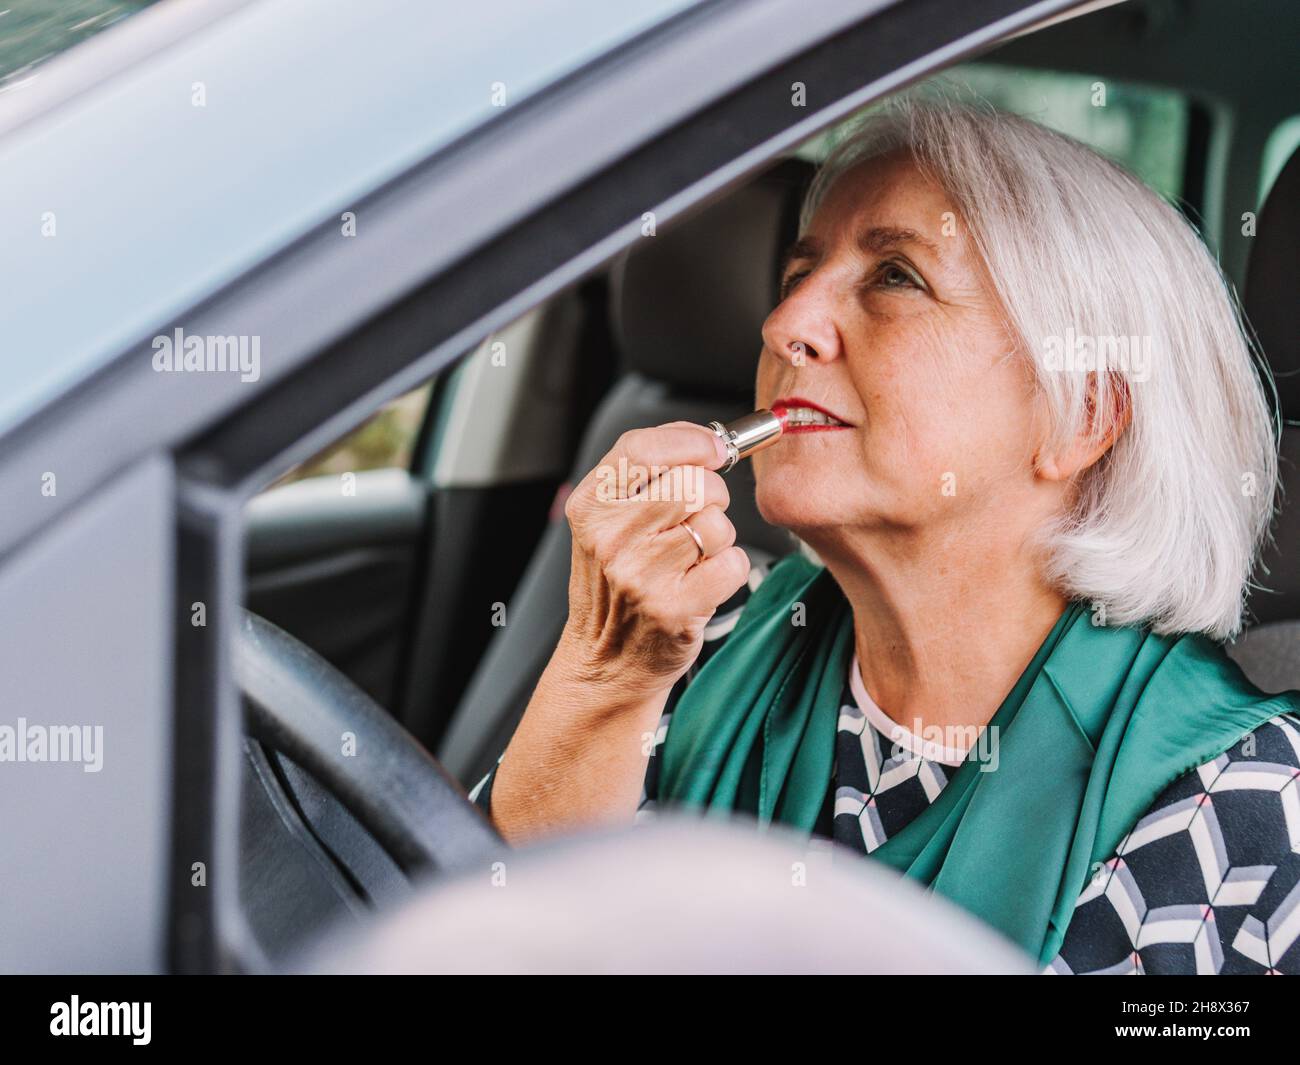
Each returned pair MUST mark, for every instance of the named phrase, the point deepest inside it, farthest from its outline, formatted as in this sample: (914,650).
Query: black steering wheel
(298,704)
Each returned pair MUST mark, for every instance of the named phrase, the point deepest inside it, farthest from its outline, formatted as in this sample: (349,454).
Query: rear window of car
(1141,127)
(1281,145)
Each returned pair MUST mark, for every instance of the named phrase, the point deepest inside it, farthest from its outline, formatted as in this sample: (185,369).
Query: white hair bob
(1089,263)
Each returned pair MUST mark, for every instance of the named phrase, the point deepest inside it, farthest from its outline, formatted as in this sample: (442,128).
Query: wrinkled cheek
(765,380)
(916,448)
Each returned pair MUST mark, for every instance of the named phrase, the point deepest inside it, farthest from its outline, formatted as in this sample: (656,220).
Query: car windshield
(37,30)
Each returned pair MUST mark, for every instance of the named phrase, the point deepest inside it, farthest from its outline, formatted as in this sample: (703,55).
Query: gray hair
(1165,530)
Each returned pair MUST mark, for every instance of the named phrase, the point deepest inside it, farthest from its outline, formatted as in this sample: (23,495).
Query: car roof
(156,203)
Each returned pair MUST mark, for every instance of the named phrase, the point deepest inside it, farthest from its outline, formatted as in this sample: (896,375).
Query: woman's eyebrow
(875,241)
(803,248)
(880,239)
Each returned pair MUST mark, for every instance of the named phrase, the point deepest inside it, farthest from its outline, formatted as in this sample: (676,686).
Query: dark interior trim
(1196,161)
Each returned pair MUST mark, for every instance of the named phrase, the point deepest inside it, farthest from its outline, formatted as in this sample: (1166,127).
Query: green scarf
(1099,723)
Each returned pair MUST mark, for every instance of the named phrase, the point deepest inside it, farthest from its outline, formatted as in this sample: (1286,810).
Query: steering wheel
(298,704)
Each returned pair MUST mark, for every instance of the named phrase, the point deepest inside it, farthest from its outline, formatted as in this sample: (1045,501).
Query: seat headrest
(1272,281)
(688,304)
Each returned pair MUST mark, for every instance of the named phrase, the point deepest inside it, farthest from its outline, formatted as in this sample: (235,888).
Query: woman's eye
(787,286)
(887,275)
(892,275)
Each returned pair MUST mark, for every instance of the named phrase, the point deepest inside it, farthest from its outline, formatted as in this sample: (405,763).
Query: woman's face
(902,340)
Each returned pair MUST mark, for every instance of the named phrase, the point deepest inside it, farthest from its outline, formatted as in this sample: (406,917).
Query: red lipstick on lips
(783,409)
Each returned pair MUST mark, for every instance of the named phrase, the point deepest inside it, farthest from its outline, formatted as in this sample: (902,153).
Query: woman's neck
(942,631)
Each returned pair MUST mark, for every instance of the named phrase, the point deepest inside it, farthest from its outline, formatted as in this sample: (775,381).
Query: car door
(486,172)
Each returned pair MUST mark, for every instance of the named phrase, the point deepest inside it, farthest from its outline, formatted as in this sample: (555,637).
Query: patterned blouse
(1208,881)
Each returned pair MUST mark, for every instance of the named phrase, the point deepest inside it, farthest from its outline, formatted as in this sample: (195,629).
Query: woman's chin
(795,502)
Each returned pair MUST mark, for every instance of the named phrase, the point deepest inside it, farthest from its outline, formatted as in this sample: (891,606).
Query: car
(312,315)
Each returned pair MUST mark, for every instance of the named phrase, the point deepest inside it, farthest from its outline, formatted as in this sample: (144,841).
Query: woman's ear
(1103,424)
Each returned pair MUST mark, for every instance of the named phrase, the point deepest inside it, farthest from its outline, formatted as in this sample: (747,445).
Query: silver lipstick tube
(747,435)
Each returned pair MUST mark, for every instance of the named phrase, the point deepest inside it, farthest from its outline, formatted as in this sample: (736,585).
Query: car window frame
(410,337)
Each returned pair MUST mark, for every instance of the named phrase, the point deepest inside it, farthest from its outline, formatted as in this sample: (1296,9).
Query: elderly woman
(1030,449)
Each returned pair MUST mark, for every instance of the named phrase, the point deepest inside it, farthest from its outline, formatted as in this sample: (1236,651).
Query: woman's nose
(802,326)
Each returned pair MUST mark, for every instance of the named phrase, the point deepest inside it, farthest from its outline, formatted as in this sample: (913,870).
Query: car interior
(426,556)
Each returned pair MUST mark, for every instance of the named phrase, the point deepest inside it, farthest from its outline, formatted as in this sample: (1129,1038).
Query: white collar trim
(899,734)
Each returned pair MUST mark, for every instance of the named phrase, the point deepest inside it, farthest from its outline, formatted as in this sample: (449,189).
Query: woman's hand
(640,595)
(640,591)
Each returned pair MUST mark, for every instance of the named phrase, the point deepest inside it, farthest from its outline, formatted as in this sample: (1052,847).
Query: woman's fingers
(712,578)
(711,525)
(672,444)
(642,588)
(626,500)
(715,580)
(681,491)
(639,456)
(615,525)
